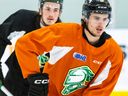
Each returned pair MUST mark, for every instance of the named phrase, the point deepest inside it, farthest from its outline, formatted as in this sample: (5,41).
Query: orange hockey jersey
(75,67)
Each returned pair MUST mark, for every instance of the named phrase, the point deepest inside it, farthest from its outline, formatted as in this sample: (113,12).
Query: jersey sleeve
(6,26)
(106,79)
(15,23)
(30,46)
(5,30)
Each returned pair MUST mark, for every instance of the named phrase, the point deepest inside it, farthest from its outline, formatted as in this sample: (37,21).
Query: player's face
(50,12)
(97,23)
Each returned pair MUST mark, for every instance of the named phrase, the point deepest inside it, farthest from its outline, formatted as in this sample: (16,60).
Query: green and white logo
(76,79)
(43,59)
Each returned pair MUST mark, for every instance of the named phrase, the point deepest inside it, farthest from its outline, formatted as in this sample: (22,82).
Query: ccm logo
(45,81)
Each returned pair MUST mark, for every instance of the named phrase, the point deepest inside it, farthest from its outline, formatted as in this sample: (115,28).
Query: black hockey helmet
(96,6)
(54,1)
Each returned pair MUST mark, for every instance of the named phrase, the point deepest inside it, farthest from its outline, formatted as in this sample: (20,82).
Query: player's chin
(99,32)
(50,22)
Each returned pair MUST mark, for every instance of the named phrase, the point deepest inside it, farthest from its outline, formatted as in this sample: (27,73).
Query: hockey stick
(2,87)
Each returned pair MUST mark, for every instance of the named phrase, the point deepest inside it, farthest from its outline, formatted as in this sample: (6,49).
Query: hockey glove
(38,84)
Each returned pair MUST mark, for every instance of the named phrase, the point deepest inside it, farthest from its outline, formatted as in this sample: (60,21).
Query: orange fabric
(82,58)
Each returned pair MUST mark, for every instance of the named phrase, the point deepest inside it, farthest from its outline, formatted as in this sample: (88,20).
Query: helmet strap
(84,24)
(42,23)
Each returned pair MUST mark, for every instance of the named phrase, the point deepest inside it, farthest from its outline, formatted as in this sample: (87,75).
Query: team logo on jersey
(76,79)
(79,56)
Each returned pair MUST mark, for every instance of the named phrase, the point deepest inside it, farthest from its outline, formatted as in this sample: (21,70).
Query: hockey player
(15,26)
(80,60)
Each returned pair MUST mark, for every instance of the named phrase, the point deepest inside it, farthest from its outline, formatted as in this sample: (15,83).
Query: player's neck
(91,39)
